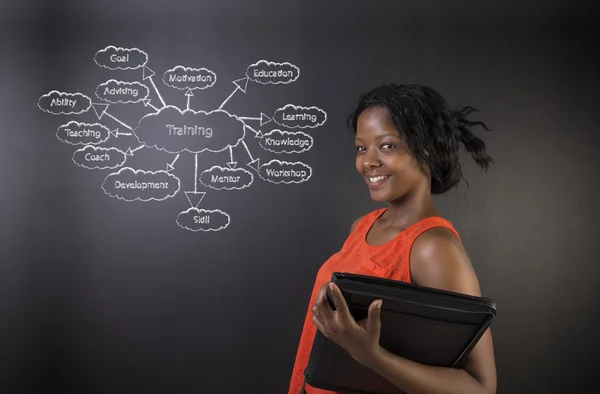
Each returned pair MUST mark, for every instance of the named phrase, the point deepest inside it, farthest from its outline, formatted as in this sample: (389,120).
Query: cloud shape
(295,116)
(266,72)
(277,171)
(174,131)
(278,141)
(226,178)
(64,103)
(96,157)
(76,133)
(184,78)
(117,58)
(139,185)
(195,219)
(116,92)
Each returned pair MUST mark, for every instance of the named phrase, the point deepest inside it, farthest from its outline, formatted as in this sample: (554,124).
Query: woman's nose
(370,160)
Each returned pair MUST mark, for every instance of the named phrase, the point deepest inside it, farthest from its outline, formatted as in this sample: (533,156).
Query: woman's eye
(388,146)
(359,148)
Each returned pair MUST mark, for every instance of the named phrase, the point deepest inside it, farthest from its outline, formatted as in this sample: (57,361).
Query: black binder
(426,325)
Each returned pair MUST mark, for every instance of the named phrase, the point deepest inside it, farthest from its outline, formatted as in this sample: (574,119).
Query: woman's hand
(359,339)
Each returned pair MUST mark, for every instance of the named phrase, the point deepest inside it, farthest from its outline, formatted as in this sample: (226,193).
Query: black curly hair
(431,129)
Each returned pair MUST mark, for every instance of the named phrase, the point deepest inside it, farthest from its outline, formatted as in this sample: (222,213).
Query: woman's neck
(409,209)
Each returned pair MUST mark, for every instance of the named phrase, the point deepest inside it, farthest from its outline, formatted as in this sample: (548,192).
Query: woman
(407,142)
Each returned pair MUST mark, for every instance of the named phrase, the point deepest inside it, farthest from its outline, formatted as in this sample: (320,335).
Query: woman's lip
(378,183)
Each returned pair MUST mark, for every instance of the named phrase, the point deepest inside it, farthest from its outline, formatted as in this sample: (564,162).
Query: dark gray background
(102,296)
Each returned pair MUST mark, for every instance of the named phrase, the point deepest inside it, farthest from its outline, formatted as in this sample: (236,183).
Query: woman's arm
(438,260)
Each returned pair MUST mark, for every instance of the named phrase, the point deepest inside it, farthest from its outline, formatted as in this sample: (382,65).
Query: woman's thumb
(374,318)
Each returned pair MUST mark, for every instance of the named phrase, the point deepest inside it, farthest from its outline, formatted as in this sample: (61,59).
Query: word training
(194,130)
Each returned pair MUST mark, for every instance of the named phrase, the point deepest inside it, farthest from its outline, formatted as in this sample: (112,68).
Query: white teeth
(378,178)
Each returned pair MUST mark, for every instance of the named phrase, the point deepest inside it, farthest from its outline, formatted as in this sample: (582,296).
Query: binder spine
(460,361)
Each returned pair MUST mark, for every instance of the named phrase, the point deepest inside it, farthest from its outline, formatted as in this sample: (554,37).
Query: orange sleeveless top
(391,260)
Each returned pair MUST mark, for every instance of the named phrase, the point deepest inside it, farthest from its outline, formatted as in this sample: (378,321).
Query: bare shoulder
(355,223)
(438,259)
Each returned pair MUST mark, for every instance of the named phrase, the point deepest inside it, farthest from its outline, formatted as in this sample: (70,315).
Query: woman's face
(383,157)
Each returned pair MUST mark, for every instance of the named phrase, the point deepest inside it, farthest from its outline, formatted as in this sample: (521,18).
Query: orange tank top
(391,260)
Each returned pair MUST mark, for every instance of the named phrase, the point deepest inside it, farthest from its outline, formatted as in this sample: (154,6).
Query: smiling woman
(407,141)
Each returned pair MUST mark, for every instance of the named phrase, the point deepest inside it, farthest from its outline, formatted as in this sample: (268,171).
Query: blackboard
(175,173)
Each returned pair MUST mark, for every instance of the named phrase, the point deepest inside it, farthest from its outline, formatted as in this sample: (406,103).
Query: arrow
(194,198)
(195,195)
(149,76)
(238,86)
(131,151)
(170,165)
(254,163)
(100,110)
(196,172)
(97,106)
(232,163)
(147,104)
(189,94)
(116,133)
(264,119)
(257,134)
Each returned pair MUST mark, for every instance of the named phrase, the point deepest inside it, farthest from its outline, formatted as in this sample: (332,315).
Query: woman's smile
(376,181)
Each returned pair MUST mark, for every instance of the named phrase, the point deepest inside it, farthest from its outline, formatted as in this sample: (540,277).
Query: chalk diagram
(183,131)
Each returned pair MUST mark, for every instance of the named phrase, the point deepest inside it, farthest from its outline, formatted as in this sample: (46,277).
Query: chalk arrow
(264,119)
(254,163)
(116,133)
(257,134)
(170,165)
(194,198)
(147,73)
(231,163)
(240,84)
(189,94)
(100,110)
(130,151)
(147,104)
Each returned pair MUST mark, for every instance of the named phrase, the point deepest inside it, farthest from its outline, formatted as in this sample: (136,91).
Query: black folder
(423,324)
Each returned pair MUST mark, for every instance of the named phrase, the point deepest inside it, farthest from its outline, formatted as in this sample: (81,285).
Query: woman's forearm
(416,378)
